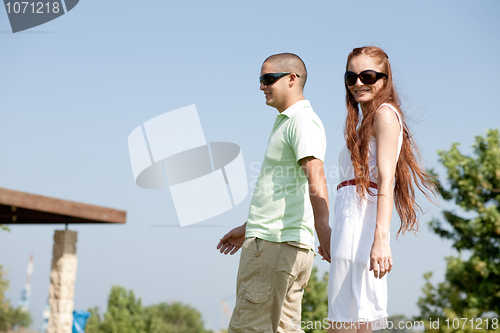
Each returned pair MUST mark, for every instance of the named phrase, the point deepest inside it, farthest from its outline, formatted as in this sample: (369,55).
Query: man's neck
(291,102)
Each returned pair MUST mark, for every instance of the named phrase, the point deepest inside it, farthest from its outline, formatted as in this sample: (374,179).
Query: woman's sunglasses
(367,77)
(270,78)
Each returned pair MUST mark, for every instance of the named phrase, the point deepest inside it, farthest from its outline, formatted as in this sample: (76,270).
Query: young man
(290,200)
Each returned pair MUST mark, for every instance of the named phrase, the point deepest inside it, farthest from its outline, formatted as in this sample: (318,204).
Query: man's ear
(293,79)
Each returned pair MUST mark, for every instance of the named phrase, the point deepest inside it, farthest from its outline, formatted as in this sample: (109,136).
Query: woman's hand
(320,251)
(380,258)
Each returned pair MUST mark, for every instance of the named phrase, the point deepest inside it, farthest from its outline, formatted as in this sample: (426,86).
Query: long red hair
(409,172)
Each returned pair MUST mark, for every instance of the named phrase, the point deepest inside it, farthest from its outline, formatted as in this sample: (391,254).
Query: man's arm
(318,192)
(233,240)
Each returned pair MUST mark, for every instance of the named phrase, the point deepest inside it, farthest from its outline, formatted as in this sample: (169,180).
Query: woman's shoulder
(387,114)
(387,117)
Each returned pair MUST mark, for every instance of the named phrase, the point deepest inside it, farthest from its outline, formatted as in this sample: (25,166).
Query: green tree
(10,317)
(125,314)
(94,322)
(472,286)
(175,317)
(315,303)
(4,286)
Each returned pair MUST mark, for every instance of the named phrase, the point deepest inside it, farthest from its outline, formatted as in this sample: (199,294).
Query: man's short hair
(289,62)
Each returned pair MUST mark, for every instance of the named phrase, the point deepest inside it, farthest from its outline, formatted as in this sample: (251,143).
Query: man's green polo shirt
(281,209)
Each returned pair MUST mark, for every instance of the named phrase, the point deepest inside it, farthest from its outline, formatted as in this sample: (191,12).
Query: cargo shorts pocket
(254,309)
(258,292)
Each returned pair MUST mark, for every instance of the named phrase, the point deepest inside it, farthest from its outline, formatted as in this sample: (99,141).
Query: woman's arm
(386,129)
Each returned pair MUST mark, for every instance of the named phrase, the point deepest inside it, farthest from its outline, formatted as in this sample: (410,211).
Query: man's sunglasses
(367,77)
(270,78)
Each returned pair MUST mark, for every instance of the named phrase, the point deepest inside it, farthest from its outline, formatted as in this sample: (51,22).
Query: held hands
(324,241)
(320,251)
(232,241)
(380,259)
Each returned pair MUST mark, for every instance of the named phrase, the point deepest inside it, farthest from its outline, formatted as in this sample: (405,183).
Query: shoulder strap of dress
(395,111)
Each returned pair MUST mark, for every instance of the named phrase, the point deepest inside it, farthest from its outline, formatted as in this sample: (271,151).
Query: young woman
(379,167)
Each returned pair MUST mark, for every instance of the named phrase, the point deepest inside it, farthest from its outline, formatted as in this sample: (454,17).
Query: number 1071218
(33,8)
(477,323)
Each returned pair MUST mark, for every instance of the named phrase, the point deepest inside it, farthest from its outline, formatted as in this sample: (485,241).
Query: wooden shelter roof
(25,208)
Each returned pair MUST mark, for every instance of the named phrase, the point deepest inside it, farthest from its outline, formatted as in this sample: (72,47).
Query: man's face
(276,93)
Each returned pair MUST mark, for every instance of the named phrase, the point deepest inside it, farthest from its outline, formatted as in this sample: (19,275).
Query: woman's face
(361,92)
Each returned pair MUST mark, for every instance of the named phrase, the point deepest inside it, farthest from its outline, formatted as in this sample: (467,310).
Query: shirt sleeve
(307,137)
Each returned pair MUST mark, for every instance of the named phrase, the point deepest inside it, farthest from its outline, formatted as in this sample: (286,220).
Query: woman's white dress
(354,294)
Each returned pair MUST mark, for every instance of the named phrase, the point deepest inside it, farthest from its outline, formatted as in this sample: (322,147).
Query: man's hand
(233,240)
(318,192)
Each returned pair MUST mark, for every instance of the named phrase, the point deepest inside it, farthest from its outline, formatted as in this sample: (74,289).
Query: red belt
(353,182)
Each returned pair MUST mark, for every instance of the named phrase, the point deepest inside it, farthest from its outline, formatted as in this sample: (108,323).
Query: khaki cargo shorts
(269,288)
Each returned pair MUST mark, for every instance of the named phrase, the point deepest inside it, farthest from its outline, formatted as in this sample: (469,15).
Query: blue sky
(73,89)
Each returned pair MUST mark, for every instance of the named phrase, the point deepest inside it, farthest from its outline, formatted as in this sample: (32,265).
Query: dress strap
(395,111)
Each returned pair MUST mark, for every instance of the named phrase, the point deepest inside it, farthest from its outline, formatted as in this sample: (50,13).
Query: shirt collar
(295,108)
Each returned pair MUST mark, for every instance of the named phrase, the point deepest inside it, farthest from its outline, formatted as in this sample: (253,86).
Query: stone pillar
(62,282)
